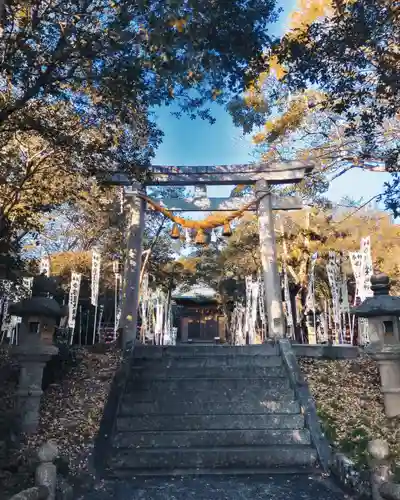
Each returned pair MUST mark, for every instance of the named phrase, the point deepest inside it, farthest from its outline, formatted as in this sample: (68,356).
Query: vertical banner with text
(27,283)
(96,261)
(73,299)
(44,266)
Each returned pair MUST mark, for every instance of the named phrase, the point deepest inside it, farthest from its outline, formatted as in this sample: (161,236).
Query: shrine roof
(200,292)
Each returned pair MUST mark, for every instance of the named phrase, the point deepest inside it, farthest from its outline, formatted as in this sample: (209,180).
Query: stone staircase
(209,410)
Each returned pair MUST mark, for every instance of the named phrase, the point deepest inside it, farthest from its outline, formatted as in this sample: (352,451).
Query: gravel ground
(350,405)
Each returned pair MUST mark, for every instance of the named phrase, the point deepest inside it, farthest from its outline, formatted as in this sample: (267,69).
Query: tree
(299,235)
(78,81)
(241,254)
(305,131)
(391,195)
(43,187)
(326,94)
(352,56)
(107,63)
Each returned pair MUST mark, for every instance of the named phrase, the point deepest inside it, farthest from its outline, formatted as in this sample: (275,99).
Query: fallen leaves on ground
(350,405)
(70,415)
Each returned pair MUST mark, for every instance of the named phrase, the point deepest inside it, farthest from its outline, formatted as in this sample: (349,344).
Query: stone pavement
(277,487)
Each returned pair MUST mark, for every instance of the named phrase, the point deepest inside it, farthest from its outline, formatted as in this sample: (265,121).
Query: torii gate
(261,175)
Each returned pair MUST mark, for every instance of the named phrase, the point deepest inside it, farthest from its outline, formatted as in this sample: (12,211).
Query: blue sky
(196,142)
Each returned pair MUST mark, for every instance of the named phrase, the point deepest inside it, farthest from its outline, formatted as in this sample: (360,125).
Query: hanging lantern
(201,237)
(175,233)
(227,231)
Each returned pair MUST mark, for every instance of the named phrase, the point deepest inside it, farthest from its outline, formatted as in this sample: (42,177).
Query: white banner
(310,298)
(27,283)
(73,298)
(361,263)
(367,269)
(333,269)
(356,260)
(116,267)
(121,200)
(254,306)
(44,266)
(344,295)
(96,260)
(261,305)
(288,302)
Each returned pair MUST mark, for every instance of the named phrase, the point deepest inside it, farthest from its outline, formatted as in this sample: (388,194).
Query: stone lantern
(40,315)
(383,311)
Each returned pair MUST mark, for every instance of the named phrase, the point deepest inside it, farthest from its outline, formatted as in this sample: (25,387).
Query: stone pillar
(32,360)
(46,472)
(388,360)
(273,293)
(130,297)
(379,465)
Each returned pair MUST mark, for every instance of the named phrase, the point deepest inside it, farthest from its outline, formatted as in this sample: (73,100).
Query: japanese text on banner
(96,260)
(73,298)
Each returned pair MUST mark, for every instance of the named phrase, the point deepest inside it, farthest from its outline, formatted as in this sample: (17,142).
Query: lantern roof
(40,304)
(37,306)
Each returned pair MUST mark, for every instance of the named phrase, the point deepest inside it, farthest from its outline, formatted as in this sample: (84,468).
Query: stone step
(151,474)
(216,372)
(200,386)
(213,458)
(209,362)
(196,406)
(179,351)
(156,423)
(219,395)
(209,438)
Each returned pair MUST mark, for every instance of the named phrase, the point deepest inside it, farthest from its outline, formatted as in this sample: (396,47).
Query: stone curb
(307,404)
(321,351)
(98,460)
(350,477)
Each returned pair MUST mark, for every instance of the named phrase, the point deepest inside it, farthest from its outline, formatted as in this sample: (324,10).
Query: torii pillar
(269,260)
(133,262)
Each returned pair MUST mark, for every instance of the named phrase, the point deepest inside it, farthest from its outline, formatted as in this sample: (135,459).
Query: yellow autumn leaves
(305,13)
(178,24)
(298,109)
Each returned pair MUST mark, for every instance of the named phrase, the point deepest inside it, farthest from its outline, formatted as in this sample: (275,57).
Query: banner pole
(94,325)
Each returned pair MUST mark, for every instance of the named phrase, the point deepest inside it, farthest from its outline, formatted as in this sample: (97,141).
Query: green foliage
(114,60)
(331,93)
(391,195)
(353,58)
(78,82)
